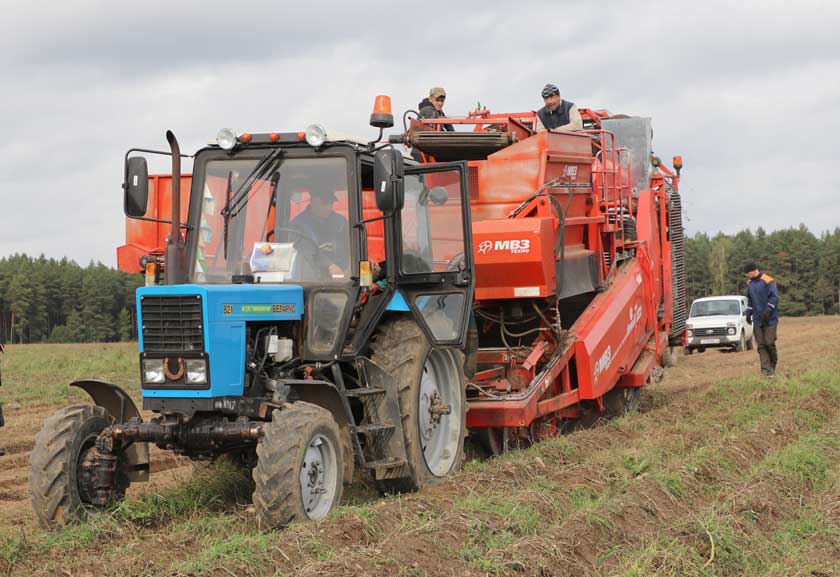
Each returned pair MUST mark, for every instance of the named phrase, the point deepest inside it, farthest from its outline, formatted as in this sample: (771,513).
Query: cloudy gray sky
(748,92)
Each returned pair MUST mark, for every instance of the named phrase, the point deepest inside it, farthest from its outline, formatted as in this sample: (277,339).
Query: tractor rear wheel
(621,401)
(300,464)
(60,494)
(432,395)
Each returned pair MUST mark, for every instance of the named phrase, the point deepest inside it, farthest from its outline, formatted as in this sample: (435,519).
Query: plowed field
(721,473)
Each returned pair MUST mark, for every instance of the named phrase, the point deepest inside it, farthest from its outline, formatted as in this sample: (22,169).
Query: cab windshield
(289,225)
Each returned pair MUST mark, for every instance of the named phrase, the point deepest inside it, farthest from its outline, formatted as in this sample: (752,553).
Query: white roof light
(226,139)
(316,135)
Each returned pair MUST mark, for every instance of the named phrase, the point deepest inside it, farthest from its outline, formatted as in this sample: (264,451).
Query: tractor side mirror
(388,180)
(136,187)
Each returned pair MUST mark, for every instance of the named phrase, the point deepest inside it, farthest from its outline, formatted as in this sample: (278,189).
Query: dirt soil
(613,499)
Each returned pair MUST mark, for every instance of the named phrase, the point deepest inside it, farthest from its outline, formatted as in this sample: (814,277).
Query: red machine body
(575,282)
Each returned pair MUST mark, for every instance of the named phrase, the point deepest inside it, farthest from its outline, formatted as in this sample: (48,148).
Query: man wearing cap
(432,107)
(323,225)
(557,114)
(763,298)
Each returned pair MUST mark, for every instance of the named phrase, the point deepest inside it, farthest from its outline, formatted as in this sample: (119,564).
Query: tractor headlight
(196,371)
(731,331)
(226,139)
(316,135)
(153,371)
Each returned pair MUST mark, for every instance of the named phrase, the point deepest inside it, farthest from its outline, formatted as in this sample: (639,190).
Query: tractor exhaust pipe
(175,253)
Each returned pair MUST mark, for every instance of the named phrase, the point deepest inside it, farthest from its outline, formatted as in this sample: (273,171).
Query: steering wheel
(456,262)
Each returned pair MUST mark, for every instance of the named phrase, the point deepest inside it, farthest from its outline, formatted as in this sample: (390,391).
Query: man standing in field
(763,299)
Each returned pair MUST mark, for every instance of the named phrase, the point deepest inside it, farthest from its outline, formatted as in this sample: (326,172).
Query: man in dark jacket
(320,223)
(557,113)
(763,299)
(432,107)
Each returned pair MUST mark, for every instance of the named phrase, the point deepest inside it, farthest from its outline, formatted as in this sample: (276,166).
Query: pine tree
(124,324)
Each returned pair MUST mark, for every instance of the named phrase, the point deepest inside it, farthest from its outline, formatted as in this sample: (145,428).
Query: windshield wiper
(237,201)
(259,171)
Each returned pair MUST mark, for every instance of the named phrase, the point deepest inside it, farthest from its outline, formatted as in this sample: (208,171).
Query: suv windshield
(291,226)
(728,307)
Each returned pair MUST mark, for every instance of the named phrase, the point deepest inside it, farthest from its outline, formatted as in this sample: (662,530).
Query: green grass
(211,490)
(39,374)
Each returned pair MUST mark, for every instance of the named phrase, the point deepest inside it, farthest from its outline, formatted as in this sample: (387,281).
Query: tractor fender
(117,402)
(326,395)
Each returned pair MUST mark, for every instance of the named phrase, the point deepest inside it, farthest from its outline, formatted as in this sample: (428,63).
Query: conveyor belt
(446,146)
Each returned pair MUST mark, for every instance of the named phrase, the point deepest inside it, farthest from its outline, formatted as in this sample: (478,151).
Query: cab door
(436,275)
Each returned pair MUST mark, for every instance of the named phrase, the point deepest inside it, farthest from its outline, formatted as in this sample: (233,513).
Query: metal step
(373,428)
(388,468)
(365,392)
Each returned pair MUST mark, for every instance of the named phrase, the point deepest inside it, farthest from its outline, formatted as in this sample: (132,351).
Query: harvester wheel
(55,468)
(621,401)
(300,464)
(432,402)
(741,346)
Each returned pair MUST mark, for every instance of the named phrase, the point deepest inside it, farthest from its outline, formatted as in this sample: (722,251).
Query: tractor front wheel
(300,464)
(432,395)
(61,488)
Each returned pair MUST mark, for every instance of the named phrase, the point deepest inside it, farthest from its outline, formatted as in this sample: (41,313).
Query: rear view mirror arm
(184,225)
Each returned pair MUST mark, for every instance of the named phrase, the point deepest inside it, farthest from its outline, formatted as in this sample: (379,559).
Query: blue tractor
(312,319)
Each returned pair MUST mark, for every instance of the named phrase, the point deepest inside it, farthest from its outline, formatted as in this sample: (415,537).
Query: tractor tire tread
(54,498)
(400,347)
(276,475)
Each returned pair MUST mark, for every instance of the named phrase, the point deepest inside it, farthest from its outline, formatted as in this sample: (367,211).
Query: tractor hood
(180,323)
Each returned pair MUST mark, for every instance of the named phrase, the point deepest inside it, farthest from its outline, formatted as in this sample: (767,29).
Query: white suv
(716,322)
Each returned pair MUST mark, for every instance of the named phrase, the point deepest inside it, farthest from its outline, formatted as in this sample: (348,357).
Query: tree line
(806,267)
(48,300)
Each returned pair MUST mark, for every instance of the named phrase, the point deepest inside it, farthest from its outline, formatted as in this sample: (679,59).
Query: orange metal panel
(143,237)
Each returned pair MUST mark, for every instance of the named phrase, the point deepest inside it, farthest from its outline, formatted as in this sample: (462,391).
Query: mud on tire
(401,348)
(54,464)
(621,401)
(284,461)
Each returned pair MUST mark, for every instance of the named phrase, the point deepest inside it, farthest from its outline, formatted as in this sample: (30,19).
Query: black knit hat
(550,90)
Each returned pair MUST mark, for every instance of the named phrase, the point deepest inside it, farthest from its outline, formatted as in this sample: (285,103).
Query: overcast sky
(747,92)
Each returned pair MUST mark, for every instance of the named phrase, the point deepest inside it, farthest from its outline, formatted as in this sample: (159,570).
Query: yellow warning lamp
(678,164)
(151,273)
(365,273)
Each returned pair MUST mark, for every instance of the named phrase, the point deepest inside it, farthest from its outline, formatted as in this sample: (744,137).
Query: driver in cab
(320,223)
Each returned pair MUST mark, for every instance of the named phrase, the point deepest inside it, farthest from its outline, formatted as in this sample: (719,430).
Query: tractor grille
(172,323)
(473,182)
